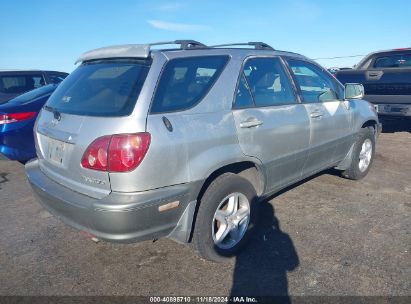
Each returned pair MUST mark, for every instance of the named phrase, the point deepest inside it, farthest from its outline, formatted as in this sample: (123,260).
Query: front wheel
(362,156)
(225,217)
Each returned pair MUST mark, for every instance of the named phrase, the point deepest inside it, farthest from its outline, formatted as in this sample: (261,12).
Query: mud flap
(181,233)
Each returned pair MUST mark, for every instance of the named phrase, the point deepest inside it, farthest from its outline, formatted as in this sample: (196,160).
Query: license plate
(55,151)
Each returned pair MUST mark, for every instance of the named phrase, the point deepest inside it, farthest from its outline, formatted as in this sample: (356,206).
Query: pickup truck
(386,77)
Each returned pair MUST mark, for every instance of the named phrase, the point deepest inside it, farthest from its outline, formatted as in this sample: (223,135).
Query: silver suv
(140,142)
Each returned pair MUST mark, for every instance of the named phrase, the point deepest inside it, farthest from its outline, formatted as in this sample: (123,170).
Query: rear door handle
(251,122)
(316,114)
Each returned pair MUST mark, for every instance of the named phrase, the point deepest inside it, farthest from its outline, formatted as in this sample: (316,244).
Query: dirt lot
(325,236)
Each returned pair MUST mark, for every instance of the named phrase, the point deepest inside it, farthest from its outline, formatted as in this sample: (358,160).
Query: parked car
(17,118)
(139,144)
(14,83)
(386,76)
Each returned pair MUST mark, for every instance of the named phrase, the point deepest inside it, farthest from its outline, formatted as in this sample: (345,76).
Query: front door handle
(374,75)
(249,123)
(316,114)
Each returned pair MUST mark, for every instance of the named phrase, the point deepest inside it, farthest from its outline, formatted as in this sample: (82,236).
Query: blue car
(17,117)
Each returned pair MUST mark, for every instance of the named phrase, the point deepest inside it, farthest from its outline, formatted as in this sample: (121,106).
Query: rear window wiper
(48,108)
(55,112)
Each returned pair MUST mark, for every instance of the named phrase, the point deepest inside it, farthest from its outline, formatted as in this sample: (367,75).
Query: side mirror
(354,91)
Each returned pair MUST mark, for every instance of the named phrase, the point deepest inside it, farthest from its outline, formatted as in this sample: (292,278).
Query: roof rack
(257,45)
(134,50)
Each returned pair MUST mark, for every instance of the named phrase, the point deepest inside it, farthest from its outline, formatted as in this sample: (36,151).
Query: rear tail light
(126,152)
(95,156)
(15,117)
(116,153)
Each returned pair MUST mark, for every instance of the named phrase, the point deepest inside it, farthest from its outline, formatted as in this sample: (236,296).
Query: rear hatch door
(96,100)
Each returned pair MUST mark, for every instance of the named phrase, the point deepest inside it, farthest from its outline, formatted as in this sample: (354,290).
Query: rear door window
(243,97)
(393,61)
(101,88)
(185,81)
(16,84)
(268,82)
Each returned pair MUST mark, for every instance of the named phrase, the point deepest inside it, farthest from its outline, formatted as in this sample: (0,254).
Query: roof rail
(257,45)
(134,50)
(188,44)
(184,44)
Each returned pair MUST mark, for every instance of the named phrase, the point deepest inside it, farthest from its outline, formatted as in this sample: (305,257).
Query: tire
(222,195)
(362,158)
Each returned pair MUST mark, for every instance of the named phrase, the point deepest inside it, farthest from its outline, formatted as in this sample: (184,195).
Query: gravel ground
(324,236)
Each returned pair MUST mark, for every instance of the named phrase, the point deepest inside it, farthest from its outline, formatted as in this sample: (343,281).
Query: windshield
(101,88)
(33,94)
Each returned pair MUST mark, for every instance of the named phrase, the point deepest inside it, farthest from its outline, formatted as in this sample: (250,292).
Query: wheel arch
(346,162)
(247,169)
(371,123)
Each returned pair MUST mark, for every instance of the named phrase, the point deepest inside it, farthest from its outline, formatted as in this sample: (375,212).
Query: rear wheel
(363,155)
(225,217)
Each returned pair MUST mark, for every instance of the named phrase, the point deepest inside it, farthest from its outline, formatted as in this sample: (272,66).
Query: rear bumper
(17,144)
(15,154)
(118,217)
(394,109)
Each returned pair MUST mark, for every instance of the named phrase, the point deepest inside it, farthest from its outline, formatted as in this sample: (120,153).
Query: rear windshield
(17,84)
(101,88)
(56,77)
(33,94)
(393,61)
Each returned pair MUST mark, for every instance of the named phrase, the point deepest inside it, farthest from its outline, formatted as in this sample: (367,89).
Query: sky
(45,34)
